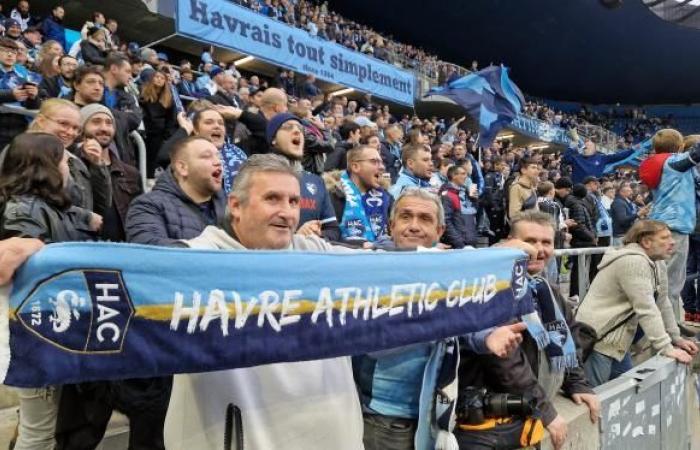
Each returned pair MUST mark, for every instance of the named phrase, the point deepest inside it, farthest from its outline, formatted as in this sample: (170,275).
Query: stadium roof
(563,50)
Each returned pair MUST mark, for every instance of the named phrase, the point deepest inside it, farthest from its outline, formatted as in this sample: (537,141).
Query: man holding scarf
(407,392)
(545,362)
(361,205)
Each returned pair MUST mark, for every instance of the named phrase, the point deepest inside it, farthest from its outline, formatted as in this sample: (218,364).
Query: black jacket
(166,214)
(50,87)
(583,234)
(158,120)
(13,124)
(92,54)
(517,373)
(337,159)
(30,216)
(126,186)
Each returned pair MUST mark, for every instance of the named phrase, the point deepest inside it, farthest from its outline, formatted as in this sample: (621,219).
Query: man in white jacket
(301,405)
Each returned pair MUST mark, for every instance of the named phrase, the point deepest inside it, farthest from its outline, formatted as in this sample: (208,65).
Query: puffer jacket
(166,215)
(30,216)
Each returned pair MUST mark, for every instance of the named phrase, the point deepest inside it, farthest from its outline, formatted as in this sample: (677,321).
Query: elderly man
(391,383)
(301,405)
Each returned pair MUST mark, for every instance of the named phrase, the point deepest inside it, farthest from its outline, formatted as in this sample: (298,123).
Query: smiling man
(361,205)
(309,405)
(541,372)
(185,199)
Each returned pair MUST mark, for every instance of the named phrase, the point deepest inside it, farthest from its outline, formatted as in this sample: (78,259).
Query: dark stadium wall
(562,50)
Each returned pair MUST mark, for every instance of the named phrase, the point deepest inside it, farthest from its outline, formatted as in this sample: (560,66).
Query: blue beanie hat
(215,71)
(276,122)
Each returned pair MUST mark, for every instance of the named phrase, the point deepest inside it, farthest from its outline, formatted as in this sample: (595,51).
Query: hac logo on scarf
(520,279)
(85,311)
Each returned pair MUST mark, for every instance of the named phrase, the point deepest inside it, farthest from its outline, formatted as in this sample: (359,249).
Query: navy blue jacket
(52,30)
(166,214)
(623,214)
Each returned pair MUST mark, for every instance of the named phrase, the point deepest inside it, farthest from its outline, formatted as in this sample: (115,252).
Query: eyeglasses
(9,51)
(289,126)
(66,125)
(373,161)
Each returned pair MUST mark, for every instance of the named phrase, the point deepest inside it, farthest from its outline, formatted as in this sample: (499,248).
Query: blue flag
(95,311)
(489,96)
(641,152)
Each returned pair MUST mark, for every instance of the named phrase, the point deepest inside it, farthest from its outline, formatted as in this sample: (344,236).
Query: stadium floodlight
(342,92)
(242,61)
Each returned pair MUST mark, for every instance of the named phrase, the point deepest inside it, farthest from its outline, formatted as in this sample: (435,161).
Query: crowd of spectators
(71,174)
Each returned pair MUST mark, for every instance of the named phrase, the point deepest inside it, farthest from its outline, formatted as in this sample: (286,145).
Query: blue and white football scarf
(97,311)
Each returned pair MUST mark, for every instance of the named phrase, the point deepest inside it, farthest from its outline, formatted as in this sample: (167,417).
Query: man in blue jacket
(668,173)
(393,385)
(585,161)
(52,27)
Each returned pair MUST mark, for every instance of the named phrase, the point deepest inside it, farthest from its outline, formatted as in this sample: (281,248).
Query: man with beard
(417,169)
(185,199)
(22,15)
(361,205)
(285,135)
(89,87)
(61,85)
(97,122)
(52,27)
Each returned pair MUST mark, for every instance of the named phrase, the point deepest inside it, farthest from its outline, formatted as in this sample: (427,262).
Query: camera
(475,405)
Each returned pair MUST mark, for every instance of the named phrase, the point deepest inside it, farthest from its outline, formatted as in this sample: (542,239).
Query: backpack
(651,169)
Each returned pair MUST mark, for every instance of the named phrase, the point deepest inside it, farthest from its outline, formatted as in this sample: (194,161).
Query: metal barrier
(584,264)
(653,406)
(141,154)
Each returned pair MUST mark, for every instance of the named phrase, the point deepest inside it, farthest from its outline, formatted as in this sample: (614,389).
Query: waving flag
(81,312)
(489,96)
(641,151)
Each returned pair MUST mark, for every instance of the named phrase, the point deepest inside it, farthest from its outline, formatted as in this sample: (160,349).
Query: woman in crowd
(93,50)
(36,204)
(159,115)
(47,59)
(89,186)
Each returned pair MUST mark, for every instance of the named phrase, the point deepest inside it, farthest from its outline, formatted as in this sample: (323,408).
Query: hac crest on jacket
(84,311)
(311,188)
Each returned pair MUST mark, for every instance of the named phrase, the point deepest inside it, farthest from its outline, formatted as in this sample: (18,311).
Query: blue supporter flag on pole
(489,96)
(641,152)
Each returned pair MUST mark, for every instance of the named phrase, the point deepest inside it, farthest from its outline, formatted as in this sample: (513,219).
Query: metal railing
(584,263)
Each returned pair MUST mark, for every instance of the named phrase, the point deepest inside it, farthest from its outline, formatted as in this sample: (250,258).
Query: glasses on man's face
(8,51)
(289,126)
(373,161)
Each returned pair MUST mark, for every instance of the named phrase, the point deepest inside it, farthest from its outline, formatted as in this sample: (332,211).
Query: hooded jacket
(629,290)
(166,214)
(310,405)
